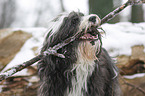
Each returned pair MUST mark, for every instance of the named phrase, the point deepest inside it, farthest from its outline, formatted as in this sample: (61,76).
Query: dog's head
(67,25)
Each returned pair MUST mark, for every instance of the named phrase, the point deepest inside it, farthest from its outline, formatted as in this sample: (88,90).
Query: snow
(26,52)
(34,79)
(134,76)
(1,86)
(119,39)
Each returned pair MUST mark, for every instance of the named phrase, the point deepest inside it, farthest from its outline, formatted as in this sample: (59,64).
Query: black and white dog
(86,70)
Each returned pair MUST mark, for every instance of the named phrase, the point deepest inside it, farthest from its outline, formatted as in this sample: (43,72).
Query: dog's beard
(90,41)
(87,50)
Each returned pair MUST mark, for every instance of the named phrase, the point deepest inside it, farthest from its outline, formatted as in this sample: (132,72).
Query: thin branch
(50,51)
(133,86)
(115,12)
(15,69)
(53,50)
(136,87)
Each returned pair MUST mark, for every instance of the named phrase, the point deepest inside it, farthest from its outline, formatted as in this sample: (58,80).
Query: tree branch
(133,86)
(115,12)
(50,51)
(53,50)
(15,69)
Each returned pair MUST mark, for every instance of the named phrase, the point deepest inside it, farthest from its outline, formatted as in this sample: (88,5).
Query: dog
(87,69)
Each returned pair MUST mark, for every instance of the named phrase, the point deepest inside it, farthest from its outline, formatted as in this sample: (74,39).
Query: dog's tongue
(87,36)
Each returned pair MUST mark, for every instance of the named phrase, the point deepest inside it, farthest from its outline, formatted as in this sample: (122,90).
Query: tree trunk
(62,6)
(137,14)
(102,8)
(7,13)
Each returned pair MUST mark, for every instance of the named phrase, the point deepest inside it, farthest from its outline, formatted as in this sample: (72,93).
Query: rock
(5,32)
(133,64)
(134,86)
(20,86)
(129,66)
(10,43)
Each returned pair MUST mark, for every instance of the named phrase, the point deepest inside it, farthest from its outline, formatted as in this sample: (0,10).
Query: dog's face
(67,25)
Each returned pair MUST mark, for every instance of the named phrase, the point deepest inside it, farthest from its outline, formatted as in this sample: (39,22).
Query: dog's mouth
(90,34)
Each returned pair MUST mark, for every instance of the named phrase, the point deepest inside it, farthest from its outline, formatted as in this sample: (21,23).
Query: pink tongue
(88,35)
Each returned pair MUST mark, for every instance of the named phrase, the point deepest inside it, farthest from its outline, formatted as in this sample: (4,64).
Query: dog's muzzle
(89,25)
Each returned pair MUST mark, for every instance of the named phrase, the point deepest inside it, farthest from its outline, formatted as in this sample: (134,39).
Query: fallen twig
(136,87)
(132,85)
(53,50)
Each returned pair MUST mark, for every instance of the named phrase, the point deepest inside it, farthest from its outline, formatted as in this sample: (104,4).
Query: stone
(10,43)
(133,64)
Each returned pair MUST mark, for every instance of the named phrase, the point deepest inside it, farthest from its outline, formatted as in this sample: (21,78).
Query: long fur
(86,70)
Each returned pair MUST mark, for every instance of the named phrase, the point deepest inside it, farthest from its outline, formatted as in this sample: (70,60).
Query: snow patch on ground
(121,37)
(134,76)
(26,52)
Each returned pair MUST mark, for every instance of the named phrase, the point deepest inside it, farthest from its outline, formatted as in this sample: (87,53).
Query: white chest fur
(83,68)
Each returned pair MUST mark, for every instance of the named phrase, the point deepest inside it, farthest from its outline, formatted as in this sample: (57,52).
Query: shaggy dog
(86,70)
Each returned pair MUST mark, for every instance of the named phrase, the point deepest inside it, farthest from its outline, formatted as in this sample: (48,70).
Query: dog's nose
(92,19)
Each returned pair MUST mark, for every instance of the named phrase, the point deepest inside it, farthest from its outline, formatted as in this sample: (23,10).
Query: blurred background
(23,24)
(34,13)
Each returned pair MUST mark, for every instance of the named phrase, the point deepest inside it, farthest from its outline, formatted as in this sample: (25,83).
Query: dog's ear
(48,34)
(72,13)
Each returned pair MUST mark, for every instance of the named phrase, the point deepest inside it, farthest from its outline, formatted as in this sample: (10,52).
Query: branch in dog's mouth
(90,34)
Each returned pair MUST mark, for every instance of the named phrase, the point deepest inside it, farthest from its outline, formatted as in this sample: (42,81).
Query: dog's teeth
(91,37)
(83,37)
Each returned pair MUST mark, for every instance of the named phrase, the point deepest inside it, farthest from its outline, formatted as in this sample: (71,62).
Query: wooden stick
(19,67)
(50,51)
(112,14)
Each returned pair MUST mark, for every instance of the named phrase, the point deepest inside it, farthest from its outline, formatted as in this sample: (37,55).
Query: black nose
(92,19)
